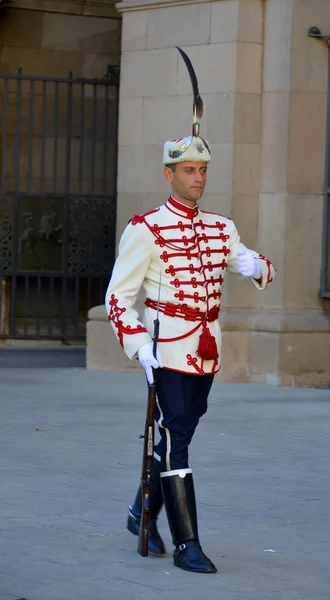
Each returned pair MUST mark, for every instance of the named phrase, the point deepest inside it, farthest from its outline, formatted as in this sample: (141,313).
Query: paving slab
(70,461)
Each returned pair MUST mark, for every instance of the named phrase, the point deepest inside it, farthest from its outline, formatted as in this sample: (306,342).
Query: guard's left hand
(248,265)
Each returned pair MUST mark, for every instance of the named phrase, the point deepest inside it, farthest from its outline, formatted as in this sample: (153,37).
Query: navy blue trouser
(181,401)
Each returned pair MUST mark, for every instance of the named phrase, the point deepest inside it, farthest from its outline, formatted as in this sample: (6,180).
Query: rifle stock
(147,470)
(148,448)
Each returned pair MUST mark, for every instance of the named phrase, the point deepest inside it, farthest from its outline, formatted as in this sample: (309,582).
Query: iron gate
(57,201)
(315,32)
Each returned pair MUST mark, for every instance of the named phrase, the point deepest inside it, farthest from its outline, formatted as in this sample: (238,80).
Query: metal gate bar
(57,202)
(34,323)
(51,88)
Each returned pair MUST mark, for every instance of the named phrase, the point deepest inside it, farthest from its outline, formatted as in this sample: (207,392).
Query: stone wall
(54,37)
(264,84)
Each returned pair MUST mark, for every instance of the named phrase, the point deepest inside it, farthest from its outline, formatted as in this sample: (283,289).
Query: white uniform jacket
(189,250)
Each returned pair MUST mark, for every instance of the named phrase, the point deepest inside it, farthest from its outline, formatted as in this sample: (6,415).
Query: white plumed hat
(192,148)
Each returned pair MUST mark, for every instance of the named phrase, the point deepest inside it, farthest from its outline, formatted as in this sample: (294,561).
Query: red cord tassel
(207,347)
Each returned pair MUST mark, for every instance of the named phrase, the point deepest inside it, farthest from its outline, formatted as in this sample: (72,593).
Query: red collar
(181,209)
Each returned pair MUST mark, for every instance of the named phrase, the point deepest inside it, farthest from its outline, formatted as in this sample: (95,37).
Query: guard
(179,254)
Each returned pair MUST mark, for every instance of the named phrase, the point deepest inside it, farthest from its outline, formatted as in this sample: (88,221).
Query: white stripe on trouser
(168,437)
(181,472)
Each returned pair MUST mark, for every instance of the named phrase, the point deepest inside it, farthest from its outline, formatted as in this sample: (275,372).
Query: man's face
(188,180)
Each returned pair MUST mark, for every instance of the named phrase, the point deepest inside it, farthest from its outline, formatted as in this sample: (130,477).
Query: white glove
(248,265)
(148,361)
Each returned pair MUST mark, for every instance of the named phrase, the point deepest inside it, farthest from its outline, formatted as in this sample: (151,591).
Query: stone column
(224,40)
(156,99)
(263,82)
(291,341)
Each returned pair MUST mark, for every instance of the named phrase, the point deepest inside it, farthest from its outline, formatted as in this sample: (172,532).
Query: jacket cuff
(264,276)
(132,343)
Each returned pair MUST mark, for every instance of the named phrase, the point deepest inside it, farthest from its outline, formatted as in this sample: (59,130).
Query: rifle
(148,453)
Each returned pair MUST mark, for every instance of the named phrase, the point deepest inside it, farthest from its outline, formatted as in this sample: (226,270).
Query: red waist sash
(184,311)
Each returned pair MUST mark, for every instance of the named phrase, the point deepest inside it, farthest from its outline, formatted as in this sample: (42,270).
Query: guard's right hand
(148,361)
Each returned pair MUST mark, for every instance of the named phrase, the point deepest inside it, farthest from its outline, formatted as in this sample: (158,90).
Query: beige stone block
(251,21)
(309,380)
(224,21)
(130,121)
(241,293)
(96,9)
(246,169)
(220,171)
(147,73)
(218,119)
(166,118)
(93,8)
(304,222)
(55,63)
(267,379)
(170,117)
(20,28)
(220,74)
(247,118)
(134,30)
(80,34)
(245,216)
(281,349)
(304,354)
(249,68)
(274,141)
(263,352)
(140,170)
(277,45)
(309,56)
(235,357)
(103,351)
(178,25)
(234,321)
(307,143)
(217,203)
(95,65)
(279,322)
(271,243)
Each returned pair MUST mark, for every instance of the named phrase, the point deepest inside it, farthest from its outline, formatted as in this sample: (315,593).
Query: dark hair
(172,167)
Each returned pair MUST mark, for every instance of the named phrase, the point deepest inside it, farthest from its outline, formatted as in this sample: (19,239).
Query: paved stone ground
(70,462)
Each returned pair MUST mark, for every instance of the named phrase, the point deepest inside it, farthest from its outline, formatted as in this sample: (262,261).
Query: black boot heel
(190,557)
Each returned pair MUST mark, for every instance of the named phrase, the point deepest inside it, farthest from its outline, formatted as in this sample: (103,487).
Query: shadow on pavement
(43,358)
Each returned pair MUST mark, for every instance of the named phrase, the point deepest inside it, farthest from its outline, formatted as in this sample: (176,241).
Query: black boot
(155,542)
(180,504)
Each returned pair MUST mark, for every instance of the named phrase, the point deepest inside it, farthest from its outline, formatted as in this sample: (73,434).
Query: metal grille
(57,201)
(325,276)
